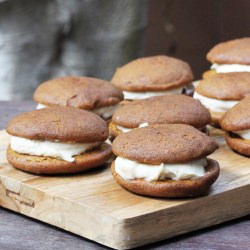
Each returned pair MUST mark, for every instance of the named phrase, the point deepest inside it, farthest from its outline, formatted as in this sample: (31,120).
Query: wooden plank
(92,205)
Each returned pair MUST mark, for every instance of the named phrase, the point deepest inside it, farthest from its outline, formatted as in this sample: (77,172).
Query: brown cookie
(65,124)
(166,109)
(49,165)
(171,188)
(208,73)
(216,118)
(238,117)
(168,143)
(156,73)
(227,86)
(80,92)
(114,131)
(231,52)
(238,144)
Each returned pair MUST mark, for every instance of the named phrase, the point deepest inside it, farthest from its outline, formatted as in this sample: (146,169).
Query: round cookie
(231,52)
(96,95)
(166,109)
(208,73)
(174,145)
(237,124)
(57,140)
(151,76)
(221,92)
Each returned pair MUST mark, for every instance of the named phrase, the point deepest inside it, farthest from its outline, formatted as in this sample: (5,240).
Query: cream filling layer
(245,134)
(142,95)
(125,130)
(55,149)
(227,68)
(104,112)
(130,170)
(41,106)
(215,104)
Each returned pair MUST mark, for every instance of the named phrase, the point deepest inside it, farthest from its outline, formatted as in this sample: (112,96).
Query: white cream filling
(41,106)
(226,68)
(195,83)
(55,149)
(104,112)
(245,134)
(215,104)
(125,130)
(142,95)
(130,170)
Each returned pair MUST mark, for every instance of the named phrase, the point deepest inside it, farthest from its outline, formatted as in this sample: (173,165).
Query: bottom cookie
(172,188)
(238,144)
(49,165)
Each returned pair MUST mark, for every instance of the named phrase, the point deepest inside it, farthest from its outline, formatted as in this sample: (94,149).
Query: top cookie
(238,117)
(154,73)
(80,92)
(65,124)
(170,143)
(162,110)
(231,52)
(229,86)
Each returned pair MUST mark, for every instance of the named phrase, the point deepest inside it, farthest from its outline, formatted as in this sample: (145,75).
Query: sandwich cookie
(167,109)
(237,124)
(165,161)
(95,95)
(230,56)
(153,76)
(221,92)
(57,140)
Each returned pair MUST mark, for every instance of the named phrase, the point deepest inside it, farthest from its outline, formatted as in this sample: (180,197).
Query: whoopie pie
(153,76)
(57,140)
(230,56)
(221,92)
(95,95)
(167,109)
(165,161)
(237,124)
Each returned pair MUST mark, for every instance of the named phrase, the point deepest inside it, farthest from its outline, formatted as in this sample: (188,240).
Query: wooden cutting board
(94,206)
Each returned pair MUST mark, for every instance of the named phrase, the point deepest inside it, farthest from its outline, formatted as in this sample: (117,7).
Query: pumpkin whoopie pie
(167,109)
(165,161)
(95,95)
(153,76)
(230,56)
(221,92)
(57,140)
(237,124)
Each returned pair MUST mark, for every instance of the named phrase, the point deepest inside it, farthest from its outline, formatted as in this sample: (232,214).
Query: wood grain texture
(94,206)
